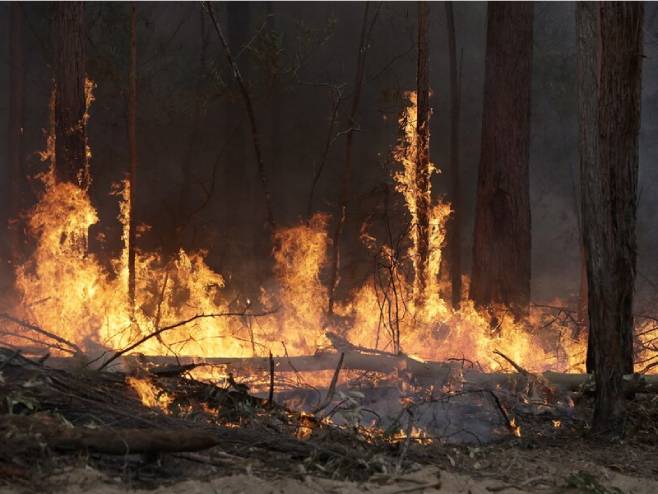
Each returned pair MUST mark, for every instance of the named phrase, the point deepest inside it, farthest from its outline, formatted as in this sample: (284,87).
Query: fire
(516,429)
(66,289)
(434,331)
(150,395)
(406,183)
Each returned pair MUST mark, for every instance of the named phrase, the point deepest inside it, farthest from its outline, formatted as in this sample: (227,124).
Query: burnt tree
(501,248)
(454,228)
(16,172)
(423,166)
(609,87)
(70,106)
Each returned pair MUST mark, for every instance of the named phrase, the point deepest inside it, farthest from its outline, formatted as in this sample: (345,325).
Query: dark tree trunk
(346,179)
(610,66)
(583,318)
(275,93)
(239,186)
(16,172)
(454,228)
(132,138)
(501,250)
(423,170)
(69,64)
(251,115)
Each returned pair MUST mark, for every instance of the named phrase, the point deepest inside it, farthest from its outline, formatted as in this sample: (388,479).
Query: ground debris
(82,430)
(46,412)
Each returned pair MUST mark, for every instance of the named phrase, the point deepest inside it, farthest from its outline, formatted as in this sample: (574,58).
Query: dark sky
(191,122)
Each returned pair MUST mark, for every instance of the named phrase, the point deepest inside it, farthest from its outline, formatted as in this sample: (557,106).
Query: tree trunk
(423,167)
(587,33)
(240,189)
(132,138)
(69,64)
(16,172)
(334,266)
(501,250)
(454,223)
(609,82)
(583,319)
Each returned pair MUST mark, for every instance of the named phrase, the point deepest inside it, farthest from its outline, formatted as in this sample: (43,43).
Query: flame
(515,428)
(65,289)
(406,183)
(150,395)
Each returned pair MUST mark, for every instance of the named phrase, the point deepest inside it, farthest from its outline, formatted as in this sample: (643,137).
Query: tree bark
(16,172)
(609,83)
(132,138)
(423,167)
(501,250)
(454,227)
(70,106)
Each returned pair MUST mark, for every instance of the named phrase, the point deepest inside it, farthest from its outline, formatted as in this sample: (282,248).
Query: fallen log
(387,364)
(28,434)
(111,441)
(436,373)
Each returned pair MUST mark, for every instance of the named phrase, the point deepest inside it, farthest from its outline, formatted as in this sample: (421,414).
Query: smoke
(189,112)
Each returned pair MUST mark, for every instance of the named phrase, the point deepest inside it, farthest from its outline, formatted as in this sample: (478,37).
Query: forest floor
(261,450)
(568,462)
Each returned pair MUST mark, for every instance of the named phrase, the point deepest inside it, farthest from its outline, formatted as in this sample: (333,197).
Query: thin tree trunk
(185,194)
(454,223)
(501,249)
(334,266)
(16,175)
(275,93)
(70,107)
(132,138)
(246,99)
(423,167)
(609,83)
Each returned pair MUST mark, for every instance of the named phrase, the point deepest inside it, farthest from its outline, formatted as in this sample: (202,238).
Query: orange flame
(150,395)
(67,290)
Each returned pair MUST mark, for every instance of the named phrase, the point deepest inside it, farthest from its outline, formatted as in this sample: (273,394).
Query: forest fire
(204,321)
(69,292)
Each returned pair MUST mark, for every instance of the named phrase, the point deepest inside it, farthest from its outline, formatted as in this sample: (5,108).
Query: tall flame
(66,289)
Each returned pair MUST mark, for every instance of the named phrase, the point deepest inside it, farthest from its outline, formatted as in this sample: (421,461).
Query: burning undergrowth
(66,289)
(47,411)
(394,365)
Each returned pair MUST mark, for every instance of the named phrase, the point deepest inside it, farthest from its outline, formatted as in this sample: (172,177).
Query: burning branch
(178,324)
(41,331)
(516,366)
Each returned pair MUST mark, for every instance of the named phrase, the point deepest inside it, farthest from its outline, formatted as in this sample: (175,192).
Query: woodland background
(197,180)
